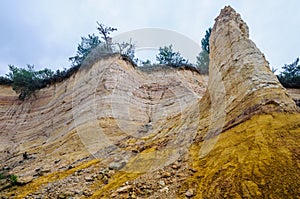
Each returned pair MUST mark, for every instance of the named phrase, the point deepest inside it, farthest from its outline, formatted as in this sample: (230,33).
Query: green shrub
(86,45)
(5,81)
(27,81)
(93,47)
(13,179)
(168,57)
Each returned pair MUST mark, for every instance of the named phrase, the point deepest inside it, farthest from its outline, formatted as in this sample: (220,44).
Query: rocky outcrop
(240,81)
(249,146)
(112,130)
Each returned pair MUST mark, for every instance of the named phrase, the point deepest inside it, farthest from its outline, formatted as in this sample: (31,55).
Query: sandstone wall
(240,80)
(92,112)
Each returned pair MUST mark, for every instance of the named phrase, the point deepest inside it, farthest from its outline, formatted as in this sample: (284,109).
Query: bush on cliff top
(5,81)
(26,81)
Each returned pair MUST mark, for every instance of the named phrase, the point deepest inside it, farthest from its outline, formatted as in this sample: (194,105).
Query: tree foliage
(86,45)
(126,48)
(205,41)
(168,57)
(5,81)
(146,63)
(290,77)
(105,32)
(203,57)
(27,81)
(92,47)
(203,62)
(13,179)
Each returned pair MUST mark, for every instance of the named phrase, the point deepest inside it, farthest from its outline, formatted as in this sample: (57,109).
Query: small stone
(190,193)
(105,179)
(99,176)
(175,166)
(25,180)
(180,175)
(116,165)
(78,192)
(87,193)
(193,170)
(124,189)
(166,174)
(110,173)
(44,171)
(133,196)
(94,176)
(162,183)
(62,196)
(165,189)
(88,179)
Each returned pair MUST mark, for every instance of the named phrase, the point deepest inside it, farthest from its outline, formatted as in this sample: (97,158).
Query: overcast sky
(46,32)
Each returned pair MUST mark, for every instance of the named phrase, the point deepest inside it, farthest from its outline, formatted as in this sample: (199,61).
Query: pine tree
(203,57)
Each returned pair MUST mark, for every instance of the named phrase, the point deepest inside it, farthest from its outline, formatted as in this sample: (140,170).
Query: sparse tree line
(25,81)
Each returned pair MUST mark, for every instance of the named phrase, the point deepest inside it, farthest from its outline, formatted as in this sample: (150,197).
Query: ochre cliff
(114,131)
(110,111)
(251,150)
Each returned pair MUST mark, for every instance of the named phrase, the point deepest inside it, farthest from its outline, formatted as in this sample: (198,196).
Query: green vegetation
(92,47)
(13,179)
(203,62)
(27,81)
(290,77)
(84,48)
(203,57)
(146,63)
(94,43)
(168,57)
(5,81)
(2,176)
(205,41)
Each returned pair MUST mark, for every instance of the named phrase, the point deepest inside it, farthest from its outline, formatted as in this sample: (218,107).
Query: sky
(45,33)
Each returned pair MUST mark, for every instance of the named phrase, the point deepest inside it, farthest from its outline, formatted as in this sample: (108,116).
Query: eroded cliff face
(113,131)
(109,111)
(240,72)
(252,150)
